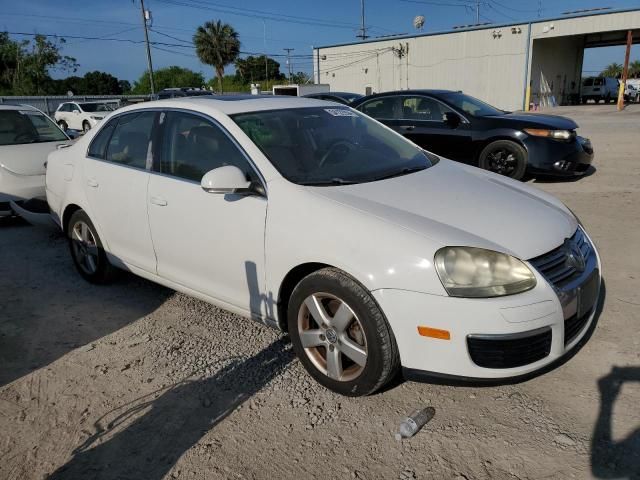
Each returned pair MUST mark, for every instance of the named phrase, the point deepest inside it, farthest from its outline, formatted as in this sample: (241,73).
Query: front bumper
(536,328)
(552,157)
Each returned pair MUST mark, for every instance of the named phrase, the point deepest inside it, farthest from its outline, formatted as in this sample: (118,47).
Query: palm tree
(217,44)
(612,70)
(634,69)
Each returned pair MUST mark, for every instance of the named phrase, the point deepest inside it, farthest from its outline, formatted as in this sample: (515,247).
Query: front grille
(554,266)
(511,350)
(574,325)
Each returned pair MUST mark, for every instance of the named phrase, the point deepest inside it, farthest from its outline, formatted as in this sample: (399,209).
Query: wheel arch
(511,137)
(69,210)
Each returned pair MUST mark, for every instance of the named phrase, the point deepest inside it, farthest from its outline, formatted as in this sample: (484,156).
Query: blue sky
(299,25)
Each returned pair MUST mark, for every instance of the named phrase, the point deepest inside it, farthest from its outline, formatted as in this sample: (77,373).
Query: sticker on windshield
(340,112)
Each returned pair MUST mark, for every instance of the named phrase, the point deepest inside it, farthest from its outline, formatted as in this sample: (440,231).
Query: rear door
(117,176)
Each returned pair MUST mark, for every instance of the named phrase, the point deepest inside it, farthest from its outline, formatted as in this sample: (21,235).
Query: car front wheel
(504,157)
(340,334)
(63,125)
(86,126)
(86,250)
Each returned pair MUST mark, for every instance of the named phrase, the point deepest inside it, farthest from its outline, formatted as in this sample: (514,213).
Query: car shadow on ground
(48,310)
(172,421)
(615,458)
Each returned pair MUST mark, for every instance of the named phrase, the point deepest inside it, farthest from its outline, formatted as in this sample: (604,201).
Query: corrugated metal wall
(487,64)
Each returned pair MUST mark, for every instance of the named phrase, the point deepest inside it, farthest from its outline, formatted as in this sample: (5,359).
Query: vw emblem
(575,258)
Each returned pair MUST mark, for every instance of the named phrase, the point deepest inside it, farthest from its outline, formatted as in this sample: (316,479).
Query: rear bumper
(552,157)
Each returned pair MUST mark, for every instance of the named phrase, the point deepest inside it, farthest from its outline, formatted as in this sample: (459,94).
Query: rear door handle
(92,182)
(407,127)
(161,202)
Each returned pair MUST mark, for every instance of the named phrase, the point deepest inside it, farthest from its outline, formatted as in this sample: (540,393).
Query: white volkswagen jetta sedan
(27,136)
(312,217)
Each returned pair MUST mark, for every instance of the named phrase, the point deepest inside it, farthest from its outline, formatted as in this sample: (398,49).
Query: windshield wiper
(404,171)
(328,182)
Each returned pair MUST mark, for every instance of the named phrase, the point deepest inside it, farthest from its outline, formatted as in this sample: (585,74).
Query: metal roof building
(493,62)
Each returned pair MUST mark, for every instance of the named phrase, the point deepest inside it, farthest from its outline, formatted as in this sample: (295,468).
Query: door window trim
(216,123)
(405,95)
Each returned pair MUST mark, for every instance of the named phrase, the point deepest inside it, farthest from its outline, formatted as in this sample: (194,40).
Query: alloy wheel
(332,337)
(85,247)
(502,161)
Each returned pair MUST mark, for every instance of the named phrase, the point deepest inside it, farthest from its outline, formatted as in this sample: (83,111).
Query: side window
(74,106)
(129,143)
(98,146)
(192,146)
(423,108)
(382,108)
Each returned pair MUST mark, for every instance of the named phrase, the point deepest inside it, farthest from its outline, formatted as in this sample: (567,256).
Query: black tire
(504,157)
(607,99)
(86,126)
(103,272)
(382,357)
(63,125)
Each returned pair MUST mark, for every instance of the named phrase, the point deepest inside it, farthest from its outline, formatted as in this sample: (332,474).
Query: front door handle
(407,127)
(161,202)
(92,182)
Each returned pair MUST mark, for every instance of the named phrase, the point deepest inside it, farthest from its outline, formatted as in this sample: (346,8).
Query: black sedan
(346,98)
(463,128)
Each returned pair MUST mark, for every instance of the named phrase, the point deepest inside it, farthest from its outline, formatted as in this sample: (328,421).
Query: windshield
(27,126)
(97,107)
(331,146)
(471,105)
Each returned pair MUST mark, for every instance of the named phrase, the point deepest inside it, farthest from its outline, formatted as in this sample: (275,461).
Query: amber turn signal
(434,333)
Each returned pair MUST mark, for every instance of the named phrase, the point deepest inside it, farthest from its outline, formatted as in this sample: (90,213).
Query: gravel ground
(135,381)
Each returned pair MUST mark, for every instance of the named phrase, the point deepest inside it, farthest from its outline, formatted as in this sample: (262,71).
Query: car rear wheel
(340,334)
(504,157)
(63,125)
(86,250)
(86,126)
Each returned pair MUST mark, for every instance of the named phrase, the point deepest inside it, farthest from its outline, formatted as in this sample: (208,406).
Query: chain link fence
(49,104)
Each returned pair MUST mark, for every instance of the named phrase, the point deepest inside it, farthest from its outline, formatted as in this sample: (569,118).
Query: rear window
(588,82)
(19,127)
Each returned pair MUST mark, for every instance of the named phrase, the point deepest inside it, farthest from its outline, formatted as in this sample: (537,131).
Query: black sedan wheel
(504,157)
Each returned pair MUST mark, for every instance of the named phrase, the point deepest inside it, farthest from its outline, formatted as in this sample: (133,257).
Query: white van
(599,88)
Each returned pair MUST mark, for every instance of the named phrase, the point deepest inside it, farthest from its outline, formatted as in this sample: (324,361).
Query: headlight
(96,118)
(479,273)
(556,134)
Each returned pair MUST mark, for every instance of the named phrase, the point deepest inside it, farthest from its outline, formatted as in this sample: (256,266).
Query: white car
(82,115)
(27,136)
(316,219)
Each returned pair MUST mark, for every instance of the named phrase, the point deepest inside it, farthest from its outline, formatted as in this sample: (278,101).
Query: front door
(211,243)
(116,177)
(422,120)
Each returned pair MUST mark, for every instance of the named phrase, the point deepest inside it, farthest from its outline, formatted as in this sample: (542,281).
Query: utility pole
(363,30)
(266,64)
(477,12)
(289,50)
(625,71)
(145,15)
(539,8)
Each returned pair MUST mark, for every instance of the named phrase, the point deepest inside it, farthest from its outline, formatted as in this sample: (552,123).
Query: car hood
(453,204)
(27,159)
(538,120)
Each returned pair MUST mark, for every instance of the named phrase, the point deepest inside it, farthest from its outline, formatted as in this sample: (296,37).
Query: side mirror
(228,180)
(72,134)
(452,119)
(77,112)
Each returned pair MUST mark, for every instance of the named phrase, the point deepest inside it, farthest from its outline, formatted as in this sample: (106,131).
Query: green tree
(300,78)
(252,69)
(634,69)
(612,70)
(26,66)
(170,77)
(217,44)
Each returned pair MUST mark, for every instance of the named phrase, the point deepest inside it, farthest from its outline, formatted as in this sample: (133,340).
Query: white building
(493,62)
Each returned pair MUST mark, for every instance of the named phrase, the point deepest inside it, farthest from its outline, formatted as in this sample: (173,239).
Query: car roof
(14,106)
(232,104)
